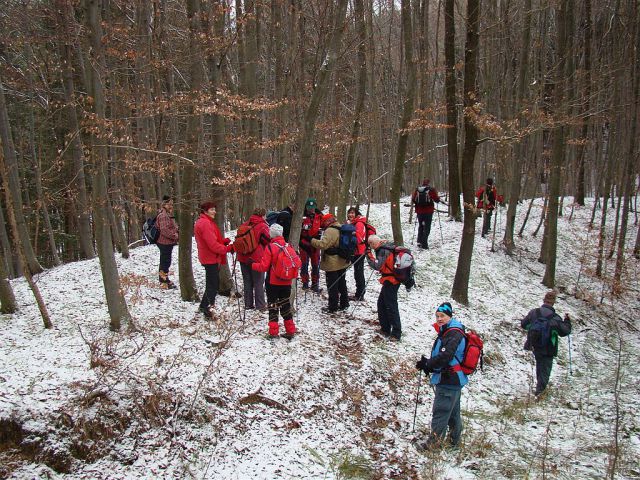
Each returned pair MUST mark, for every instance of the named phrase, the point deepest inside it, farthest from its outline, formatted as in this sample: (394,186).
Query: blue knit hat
(446,309)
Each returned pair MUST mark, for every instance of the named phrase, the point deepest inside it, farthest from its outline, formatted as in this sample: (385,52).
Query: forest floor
(180,397)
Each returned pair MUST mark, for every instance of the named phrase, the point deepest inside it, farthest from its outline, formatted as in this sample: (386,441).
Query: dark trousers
(358,275)
(165,257)
(337,285)
(446,414)
(486,224)
(544,363)
(314,257)
(424,229)
(212,281)
(388,313)
(253,283)
(278,298)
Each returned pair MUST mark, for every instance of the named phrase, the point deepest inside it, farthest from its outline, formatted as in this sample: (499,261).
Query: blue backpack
(150,231)
(539,332)
(346,243)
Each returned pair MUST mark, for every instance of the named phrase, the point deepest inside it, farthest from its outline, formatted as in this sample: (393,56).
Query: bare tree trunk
(586,103)
(452,110)
(116,303)
(9,263)
(14,184)
(310,117)
(7,298)
(460,289)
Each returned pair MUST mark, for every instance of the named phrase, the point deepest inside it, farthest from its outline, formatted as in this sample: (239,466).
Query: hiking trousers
(338,293)
(358,274)
(486,224)
(165,257)
(253,284)
(424,229)
(212,280)
(388,313)
(446,414)
(544,363)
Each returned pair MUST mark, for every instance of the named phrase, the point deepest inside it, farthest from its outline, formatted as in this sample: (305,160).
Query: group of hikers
(270,265)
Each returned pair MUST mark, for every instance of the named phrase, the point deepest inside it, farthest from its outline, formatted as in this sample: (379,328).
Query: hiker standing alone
(543,326)
(487,196)
(168,228)
(425,197)
(448,378)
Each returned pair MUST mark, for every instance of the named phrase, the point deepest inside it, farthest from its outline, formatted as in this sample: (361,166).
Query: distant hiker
(256,232)
(212,251)
(168,228)
(354,217)
(381,258)
(277,259)
(334,266)
(284,219)
(543,326)
(487,196)
(310,229)
(425,197)
(448,378)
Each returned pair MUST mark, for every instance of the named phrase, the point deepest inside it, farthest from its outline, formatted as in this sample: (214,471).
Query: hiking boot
(305,286)
(288,336)
(355,298)
(170,285)
(394,339)
(383,333)
(206,312)
(315,288)
(328,310)
(344,307)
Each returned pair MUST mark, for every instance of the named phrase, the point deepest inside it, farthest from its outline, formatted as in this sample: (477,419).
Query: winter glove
(226,241)
(422,365)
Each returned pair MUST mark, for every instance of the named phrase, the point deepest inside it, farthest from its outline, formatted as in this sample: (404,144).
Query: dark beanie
(446,309)
(489,181)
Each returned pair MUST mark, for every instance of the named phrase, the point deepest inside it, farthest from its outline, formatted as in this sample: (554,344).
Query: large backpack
(424,199)
(403,266)
(368,230)
(246,240)
(287,263)
(539,332)
(150,231)
(272,217)
(346,242)
(473,351)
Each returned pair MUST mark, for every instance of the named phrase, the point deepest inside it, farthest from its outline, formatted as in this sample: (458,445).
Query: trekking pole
(365,287)
(440,225)
(415,412)
(414,229)
(235,285)
(570,366)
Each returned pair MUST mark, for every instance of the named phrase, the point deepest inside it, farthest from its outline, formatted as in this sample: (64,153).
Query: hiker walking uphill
(168,228)
(487,196)
(212,251)
(448,378)
(252,237)
(283,264)
(308,253)
(334,265)
(424,197)
(381,258)
(543,326)
(363,230)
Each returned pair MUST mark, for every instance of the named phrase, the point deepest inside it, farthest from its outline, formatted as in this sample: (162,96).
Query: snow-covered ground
(179,397)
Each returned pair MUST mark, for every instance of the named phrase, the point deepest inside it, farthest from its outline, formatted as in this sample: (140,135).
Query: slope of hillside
(179,397)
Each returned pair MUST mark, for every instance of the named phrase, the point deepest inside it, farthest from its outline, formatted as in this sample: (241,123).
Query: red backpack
(287,262)
(246,241)
(472,351)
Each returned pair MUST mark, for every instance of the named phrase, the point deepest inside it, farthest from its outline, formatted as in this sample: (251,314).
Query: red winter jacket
(269,258)
(433,193)
(492,196)
(168,228)
(310,229)
(361,234)
(211,247)
(261,230)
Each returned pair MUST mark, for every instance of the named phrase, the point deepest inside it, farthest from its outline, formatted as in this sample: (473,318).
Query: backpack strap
(457,367)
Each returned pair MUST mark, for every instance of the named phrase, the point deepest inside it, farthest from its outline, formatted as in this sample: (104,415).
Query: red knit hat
(327,220)
(206,206)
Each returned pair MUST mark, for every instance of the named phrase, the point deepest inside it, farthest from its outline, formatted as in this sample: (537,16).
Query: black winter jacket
(559,327)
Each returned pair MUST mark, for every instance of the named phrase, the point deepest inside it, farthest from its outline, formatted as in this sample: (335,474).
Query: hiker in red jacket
(425,198)
(308,253)
(355,218)
(168,228)
(253,280)
(487,196)
(212,251)
(278,289)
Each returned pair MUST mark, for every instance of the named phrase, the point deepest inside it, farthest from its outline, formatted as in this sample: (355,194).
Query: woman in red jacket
(212,251)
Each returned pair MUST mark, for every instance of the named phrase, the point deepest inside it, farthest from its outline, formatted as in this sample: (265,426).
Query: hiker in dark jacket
(252,280)
(168,228)
(425,197)
(380,258)
(334,266)
(448,378)
(278,289)
(355,218)
(548,326)
(284,219)
(487,196)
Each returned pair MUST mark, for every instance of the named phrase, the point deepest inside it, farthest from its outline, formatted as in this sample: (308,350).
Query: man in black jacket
(543,326)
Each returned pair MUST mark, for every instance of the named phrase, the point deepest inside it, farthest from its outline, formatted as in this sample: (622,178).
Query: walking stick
(570,366)
(440,225)
(241,314)
(415,412)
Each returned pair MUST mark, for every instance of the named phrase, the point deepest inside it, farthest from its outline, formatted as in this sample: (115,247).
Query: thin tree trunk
(7,298)
(586,101)
(452,110)
(8,259)
(460,289)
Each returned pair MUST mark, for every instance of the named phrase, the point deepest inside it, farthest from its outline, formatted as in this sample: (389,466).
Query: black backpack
(539,332)
(150,231)
(346,243)
(424,199)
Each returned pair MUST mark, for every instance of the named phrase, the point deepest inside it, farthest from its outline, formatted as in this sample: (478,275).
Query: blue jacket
(447,352)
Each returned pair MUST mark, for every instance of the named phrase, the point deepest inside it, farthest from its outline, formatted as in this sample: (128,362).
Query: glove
(230,249)
(226,241)
(422,364)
